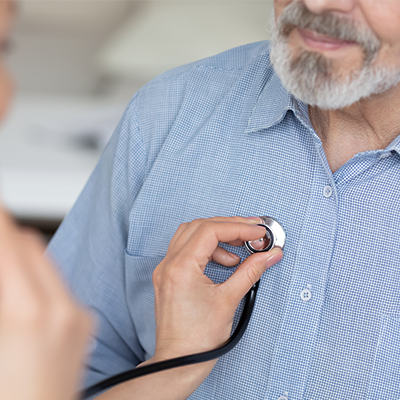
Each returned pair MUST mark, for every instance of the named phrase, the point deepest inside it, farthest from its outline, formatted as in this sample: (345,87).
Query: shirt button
(328,191)
(282,398)
(305,295)
(385,155)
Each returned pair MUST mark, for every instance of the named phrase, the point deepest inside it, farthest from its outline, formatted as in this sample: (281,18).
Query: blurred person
(305,129)
(43,332)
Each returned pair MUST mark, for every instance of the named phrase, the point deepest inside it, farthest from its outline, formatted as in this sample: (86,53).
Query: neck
(370,124)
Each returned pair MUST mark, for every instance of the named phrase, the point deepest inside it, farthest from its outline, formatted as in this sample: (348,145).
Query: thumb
(248,273)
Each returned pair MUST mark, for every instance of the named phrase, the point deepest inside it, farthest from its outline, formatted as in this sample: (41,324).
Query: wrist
(193,375)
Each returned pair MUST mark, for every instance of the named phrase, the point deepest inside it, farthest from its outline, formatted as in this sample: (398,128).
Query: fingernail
(259,244)
(256,220)
(234,256)
(275,256)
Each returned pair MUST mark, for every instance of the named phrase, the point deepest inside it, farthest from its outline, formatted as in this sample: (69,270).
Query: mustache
(296,15)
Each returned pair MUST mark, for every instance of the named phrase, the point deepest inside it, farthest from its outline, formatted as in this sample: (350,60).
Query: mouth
(317,41)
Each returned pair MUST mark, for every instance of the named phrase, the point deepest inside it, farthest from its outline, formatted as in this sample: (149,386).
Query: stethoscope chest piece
(275,236)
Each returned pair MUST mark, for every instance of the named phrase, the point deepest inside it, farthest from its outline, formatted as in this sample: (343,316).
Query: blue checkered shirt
(222,137)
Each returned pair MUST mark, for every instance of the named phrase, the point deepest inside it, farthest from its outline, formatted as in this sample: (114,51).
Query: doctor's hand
(43,333)
(193,314)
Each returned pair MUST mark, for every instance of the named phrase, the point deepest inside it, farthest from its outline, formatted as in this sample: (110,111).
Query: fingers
(210,234)
(224,257)
(182,228)
(203,236)
(186,230)
(44,273)
(196,224)
(27,279)
(247,274)
(13,274)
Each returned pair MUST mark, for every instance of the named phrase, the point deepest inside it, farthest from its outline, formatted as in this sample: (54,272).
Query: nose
(321,6)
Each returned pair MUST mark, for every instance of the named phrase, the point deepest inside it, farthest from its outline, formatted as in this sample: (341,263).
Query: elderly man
(304,129)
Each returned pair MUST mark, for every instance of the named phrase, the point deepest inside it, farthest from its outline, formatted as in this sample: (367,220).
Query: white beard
(309,77)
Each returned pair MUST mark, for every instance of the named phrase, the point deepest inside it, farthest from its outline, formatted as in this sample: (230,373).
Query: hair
(311,77)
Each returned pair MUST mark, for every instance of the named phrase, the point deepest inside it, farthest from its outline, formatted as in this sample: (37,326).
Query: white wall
(171,33)
(80,46)
(55,42)
(77,62)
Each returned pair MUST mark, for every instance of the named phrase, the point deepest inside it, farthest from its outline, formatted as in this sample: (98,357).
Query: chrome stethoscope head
(275,236)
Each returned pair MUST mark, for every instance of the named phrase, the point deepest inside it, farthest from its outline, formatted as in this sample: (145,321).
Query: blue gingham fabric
(222,136)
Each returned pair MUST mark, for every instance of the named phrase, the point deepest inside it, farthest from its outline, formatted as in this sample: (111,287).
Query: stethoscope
(274,237)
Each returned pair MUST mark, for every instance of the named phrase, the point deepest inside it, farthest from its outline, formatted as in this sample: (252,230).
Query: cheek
(279,6)
(383,17)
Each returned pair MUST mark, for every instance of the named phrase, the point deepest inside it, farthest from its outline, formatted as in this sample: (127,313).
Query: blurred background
(76,64)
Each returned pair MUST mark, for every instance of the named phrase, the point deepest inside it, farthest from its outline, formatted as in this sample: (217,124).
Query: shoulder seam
(205,63)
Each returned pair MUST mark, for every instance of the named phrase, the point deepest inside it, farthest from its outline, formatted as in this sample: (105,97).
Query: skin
(43,332)
(371,123)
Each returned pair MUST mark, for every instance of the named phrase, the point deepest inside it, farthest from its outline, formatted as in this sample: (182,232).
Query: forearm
(173,384)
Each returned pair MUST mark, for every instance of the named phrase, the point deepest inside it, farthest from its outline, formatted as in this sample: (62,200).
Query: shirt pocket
(385,377)
(140,298)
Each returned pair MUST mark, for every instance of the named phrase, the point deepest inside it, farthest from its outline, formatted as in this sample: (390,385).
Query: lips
(318,41)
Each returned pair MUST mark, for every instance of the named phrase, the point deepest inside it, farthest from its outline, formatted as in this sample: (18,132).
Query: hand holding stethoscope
(196,297)
(193,314)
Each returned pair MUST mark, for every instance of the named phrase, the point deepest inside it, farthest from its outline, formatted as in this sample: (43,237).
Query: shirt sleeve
(90,245)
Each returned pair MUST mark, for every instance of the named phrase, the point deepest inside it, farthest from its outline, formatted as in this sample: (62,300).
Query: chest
(342,246)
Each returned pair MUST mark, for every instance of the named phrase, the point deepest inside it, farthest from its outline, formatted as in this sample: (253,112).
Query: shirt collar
(272,105)
(395,145)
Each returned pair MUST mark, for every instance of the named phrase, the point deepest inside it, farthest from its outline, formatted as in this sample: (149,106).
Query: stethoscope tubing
(185,360)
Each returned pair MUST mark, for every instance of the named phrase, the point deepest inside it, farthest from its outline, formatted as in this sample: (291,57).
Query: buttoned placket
(294,348)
